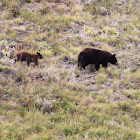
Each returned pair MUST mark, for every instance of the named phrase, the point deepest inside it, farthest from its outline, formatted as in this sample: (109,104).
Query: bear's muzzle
(116,64)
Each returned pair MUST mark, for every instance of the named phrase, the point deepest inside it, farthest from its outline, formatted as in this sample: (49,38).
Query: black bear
(29,57)
(97,57)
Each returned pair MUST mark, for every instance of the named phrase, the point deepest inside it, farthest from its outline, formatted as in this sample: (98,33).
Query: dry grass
(57,100)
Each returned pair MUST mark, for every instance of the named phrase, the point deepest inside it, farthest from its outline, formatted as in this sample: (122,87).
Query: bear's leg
(36,62)
(15,61)
(28,63)
(105,65)
(18,58)
(97,66)
(79,66)
(84,66)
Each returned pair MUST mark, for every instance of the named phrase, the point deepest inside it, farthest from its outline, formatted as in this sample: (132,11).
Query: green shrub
(45,10)
(13,35)
(129,136)
(1,68)
(5,3)
(68,130)
(101,78)
(13,11)
(97,119)
(28,1)
(99,133)
(20,77)
(31,16)
(124,106)
(22,111)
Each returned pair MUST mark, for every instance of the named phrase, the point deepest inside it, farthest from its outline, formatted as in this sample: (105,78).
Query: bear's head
(113,60)
(39,55)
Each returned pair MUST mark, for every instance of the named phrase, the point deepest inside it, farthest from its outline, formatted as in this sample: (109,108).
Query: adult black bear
(29,57)
(97,57)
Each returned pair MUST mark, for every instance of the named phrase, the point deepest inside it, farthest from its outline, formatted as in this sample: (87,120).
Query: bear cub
(29,57)
(97,57)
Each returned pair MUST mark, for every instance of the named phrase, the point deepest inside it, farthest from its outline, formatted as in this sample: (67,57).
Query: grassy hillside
(57,100)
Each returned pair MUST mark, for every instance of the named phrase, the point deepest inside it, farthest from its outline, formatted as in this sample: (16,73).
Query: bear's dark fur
(97,57)
(29,57)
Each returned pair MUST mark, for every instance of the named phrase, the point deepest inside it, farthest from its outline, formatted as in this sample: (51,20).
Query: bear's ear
(114,55)
(38,53)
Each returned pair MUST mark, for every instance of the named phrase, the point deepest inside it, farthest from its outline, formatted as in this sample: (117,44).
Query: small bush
(28,1)
(13,35)
(5,3)
(13,11)
(68,131)
(101,78)
(90,7)
(99,133)
(45,10)
(129,136)
(22,111)
(124,106)
(20,77)
(1,69)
